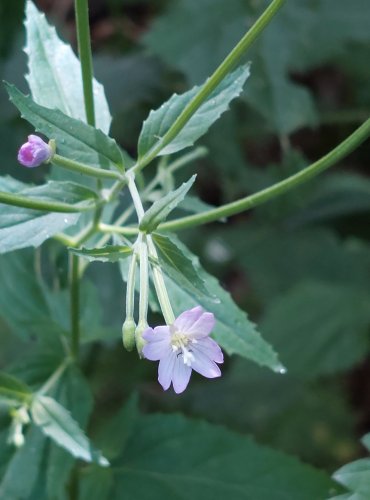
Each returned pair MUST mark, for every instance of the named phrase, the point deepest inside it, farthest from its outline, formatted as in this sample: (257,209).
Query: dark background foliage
(300,265)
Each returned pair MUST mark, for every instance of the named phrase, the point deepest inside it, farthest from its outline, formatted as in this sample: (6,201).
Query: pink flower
(34,152)
(182,347)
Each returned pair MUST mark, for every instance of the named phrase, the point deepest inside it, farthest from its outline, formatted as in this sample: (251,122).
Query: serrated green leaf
(95,484)
(277,259)
(75,139)
(55,72)
(108,253)
(28,318)
(178,266)
(23,227)
(176,458)
(57,423)
(319,329)
(13,390)
(233,330)
(115,432)
(161,120)
(25,464)
(73,393)
(160,209)
(366,441)
(355,476)
(335,195)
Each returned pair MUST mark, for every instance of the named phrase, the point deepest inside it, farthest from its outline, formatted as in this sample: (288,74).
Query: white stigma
(180,341)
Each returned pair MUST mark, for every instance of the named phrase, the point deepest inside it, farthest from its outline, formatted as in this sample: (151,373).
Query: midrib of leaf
(60,423)
(53,72)
(165,478)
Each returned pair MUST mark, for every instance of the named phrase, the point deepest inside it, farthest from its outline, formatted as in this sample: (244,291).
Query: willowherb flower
(182,347)
(34,152)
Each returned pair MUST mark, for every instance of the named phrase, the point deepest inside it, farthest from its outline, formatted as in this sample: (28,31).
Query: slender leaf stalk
(19,200)
(81,168)
(236,207)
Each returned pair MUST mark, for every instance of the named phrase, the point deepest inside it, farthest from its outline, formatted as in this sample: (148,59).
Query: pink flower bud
(34,152)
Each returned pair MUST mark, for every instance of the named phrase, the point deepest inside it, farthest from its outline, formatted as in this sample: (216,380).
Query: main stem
(84,50)
(75,305)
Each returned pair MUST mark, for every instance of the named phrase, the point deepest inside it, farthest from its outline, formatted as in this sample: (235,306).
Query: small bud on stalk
(128,334)
(35,152)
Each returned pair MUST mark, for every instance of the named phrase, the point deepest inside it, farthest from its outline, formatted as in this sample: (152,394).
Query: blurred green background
(299,265)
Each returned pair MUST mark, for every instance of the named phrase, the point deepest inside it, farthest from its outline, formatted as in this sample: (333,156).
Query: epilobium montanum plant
(98,205)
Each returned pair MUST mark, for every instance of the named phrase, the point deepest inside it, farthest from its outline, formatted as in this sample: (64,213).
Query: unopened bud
(128,334)
(140,342)
(35,152)
(18,439)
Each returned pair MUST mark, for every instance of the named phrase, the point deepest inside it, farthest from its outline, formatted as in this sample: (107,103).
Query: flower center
(180,342)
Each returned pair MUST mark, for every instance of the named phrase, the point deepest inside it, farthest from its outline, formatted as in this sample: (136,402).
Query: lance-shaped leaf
(13,390)
(158,212)
(178,266)
(25,464)
(233,331)
(108,253)
(57,423)
(23,227)
(160,121)
(75,139)
(55,72)
(176,458)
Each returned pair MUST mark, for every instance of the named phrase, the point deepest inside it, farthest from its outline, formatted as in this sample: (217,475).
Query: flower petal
(204,365)
(202,327)
(181,375)
(209,348)
(157,342)
(165,369)
(187,319)
(154,351)
(158,334)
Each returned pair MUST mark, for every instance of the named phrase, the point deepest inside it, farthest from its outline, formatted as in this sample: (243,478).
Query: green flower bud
(128,334)
(140,342)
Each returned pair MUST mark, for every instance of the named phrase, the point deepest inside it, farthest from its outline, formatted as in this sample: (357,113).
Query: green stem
(135,196)
(84,49)
(75,305)
(344,149)
(160,285)
(197,153)
(112,228)
(144,280)
(19,200)
(81,168)
(53,379)
(130,291)
(224,69)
